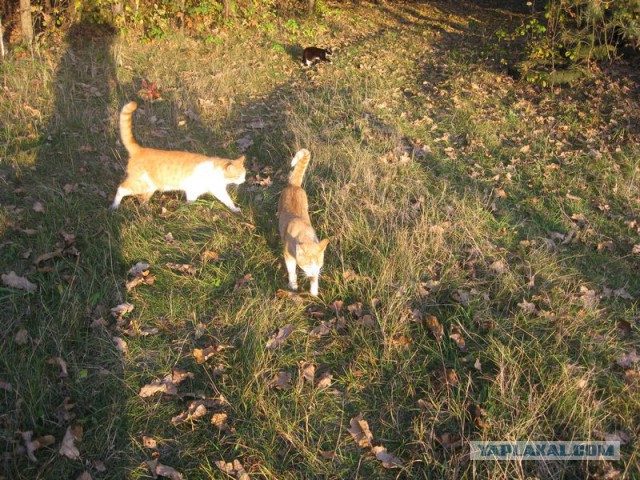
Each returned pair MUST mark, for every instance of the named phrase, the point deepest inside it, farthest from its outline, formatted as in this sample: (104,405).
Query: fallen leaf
(636,249)
(195,410)
(455,334)
(47,256)
(61,363)
(388,460)
(219,420)
(68,447)
(202,355)
(281,381)
(498,267)
(527,307)
(243,281)
(588,297)
(14,281)
(327,455)
(98,466)
(149,442)
(617,436)
(478,415)
(234,469)
(121,345)
(182,268)
(525,149)
(308,371)
(360,432)
(435,327)
(38,207)
(325,380)
(324,328)
(157,469)
(22,337)
(32,445)
(628,359)
(6,386)
(138,269)
(168,385)
(122,309)
(85,476)
(279,339)
(451,377)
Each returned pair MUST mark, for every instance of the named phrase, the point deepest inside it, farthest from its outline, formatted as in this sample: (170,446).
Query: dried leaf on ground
(499,267)
(455,334)
(149,442)
(121,345)
(527,307)
(68,447)
(219,420)
(478,415)
(122,309)
(38,207)
(281,381)
(360,432)
(628,359)
(436,328)
(235,469)
(451,377)
(243,281)
(279,339)
(6,386)
(85,476)
(325,380)
(159,470)
(182,268)
(308,371)
(168,385)
(195,410)
(32,445)
(61,363)
(21,337)
(138,269)
(324,328)
(203,354)
(14,281)
(388,460)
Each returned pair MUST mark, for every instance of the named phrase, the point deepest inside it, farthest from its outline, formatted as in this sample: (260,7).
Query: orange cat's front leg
(290,262)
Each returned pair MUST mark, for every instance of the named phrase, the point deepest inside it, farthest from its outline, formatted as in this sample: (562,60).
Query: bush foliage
(559,44)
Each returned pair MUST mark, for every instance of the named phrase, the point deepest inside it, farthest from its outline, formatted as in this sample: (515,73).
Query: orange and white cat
(150,170)
(301,245)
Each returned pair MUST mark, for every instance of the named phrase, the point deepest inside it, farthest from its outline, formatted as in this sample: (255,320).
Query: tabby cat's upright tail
(126,132)
(299,164)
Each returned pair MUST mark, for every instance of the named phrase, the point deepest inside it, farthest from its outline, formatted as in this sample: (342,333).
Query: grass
(439,182)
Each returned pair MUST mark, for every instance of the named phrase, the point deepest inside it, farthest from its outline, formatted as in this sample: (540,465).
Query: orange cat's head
(310,257)
(235,172)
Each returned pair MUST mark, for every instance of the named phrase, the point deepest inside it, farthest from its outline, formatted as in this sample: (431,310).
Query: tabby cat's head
(310,257)
(235,172)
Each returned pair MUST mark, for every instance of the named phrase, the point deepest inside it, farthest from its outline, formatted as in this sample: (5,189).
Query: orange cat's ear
(323,244)
(241,159)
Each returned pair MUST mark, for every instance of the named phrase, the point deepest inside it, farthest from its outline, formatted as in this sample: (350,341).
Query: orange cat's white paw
(293,286)
(235,209)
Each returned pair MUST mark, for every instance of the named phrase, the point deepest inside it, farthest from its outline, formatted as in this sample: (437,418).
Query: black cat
(310,55)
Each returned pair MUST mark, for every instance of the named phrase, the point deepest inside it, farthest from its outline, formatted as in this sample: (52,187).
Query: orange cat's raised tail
(299,162)
(126,130)
(301,245)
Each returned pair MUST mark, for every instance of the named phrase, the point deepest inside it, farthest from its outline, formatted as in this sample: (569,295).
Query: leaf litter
(361,433)
(168,385)
(280,338)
